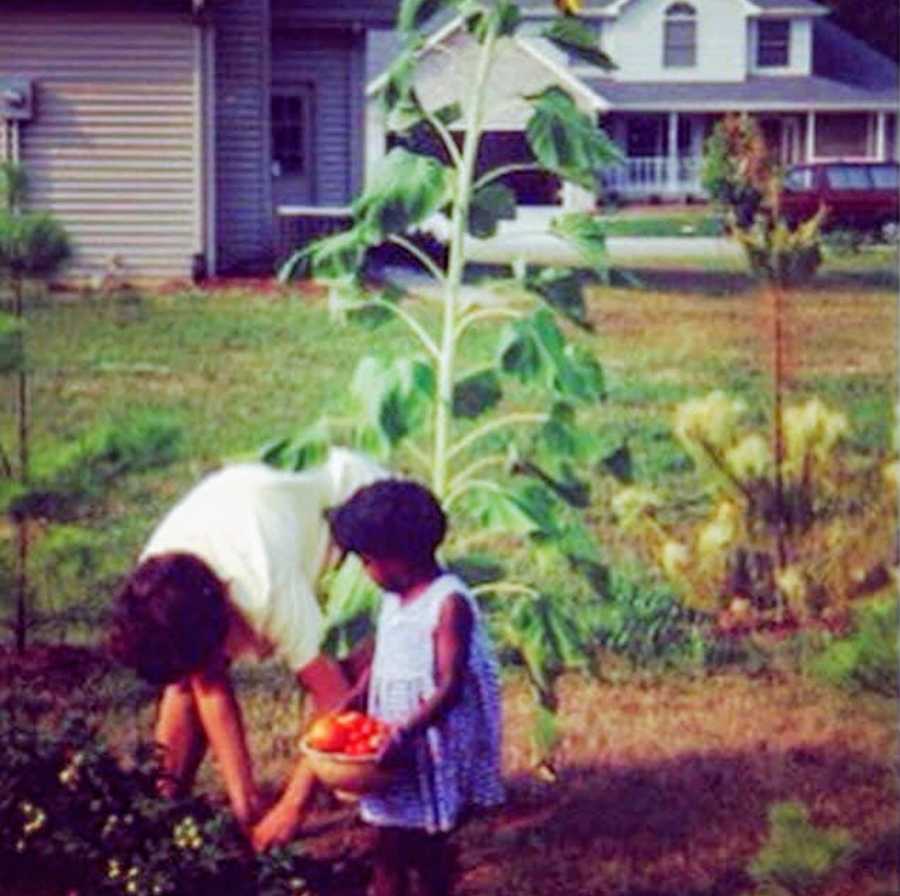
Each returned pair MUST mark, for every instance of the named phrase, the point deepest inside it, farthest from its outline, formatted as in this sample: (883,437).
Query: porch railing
(654,175)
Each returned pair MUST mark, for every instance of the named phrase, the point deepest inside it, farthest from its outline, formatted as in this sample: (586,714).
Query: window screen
(680,36)
(289,122)
(774,44)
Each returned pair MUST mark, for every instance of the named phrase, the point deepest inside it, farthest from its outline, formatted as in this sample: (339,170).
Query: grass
(654,221)
(663,781)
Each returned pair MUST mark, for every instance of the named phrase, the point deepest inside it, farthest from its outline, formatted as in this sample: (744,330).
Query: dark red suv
(858,195)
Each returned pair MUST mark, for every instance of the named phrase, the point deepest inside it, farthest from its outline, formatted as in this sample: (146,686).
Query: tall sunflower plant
(501,445)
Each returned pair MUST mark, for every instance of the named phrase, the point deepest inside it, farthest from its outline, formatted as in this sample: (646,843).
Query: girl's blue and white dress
(456,764)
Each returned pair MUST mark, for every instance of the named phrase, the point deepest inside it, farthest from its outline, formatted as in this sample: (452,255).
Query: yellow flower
(569,7)
(891,474)
(750,458)
(630,503)
(710,421)
(811,430)
(674,558)
(720,532)
(791,584)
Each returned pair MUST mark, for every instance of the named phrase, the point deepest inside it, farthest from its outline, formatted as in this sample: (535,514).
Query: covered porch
(664,150)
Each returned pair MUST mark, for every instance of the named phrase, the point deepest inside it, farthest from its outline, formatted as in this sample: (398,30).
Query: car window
(799,179)
(848,177)
(885,177)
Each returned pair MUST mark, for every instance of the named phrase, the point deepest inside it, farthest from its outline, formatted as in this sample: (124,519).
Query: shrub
(867,659)
(797,854)
(72,818)
(736,167)
(643,621)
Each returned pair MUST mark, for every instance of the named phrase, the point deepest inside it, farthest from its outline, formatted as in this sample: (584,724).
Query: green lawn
(664,781)
(236,369)
(660,221)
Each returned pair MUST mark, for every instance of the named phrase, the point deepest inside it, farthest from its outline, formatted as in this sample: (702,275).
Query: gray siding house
(165,134)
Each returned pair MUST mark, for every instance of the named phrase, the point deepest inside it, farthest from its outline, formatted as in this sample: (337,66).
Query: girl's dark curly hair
(168,618)
(392,518)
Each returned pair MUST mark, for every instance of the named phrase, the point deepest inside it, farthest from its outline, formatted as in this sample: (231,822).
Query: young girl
(433,678)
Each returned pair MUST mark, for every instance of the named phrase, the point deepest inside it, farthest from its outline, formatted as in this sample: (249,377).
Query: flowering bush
(783,542)
(75,820)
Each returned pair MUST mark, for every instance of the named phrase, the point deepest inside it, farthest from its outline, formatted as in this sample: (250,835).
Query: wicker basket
(344,774)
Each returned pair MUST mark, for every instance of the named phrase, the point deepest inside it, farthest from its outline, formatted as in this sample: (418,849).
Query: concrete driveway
(527,237)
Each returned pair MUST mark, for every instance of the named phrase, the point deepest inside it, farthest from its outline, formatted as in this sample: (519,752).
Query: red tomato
(357,748)
(350,719)
(327,735)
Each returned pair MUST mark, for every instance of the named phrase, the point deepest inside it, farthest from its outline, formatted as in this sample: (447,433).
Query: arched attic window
(680,36)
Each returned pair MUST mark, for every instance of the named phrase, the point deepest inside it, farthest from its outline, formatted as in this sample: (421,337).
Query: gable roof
(800,93)
(847,74)
(808,7)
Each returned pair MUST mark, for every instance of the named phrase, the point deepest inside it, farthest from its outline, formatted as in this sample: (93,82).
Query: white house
(817,92)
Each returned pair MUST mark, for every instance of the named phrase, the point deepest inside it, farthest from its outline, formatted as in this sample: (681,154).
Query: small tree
(33,247)
(494,458)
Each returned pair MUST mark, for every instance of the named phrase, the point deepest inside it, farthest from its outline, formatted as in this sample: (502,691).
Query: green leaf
(399,81)
(577,39)
(496,510)
(338,256)
(587,235)
(405,189)
(620,463)
(566,140)
(397,397)
(273,452)
(534,351)
(508,18)
(306,449)
(414,14)
(352,602)
(518,354)
(562,290)
(489,206)
(297,264)
(371,316)
(449,114)
(476,393)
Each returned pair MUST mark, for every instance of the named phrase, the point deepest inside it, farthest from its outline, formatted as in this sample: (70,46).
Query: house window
(290,120)
(680,40)
(843,136)
(773,46)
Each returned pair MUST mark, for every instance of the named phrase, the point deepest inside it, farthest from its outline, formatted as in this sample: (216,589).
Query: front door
(293,159)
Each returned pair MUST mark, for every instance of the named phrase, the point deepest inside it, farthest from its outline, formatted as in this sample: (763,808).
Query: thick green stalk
(464,190)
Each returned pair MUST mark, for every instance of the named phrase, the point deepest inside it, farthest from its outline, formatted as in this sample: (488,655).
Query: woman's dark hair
(394,518)
(168,618)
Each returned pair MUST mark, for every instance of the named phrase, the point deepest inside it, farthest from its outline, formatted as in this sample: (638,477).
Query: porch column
(881,137)
(810,136)
(375,138)
(673,153)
